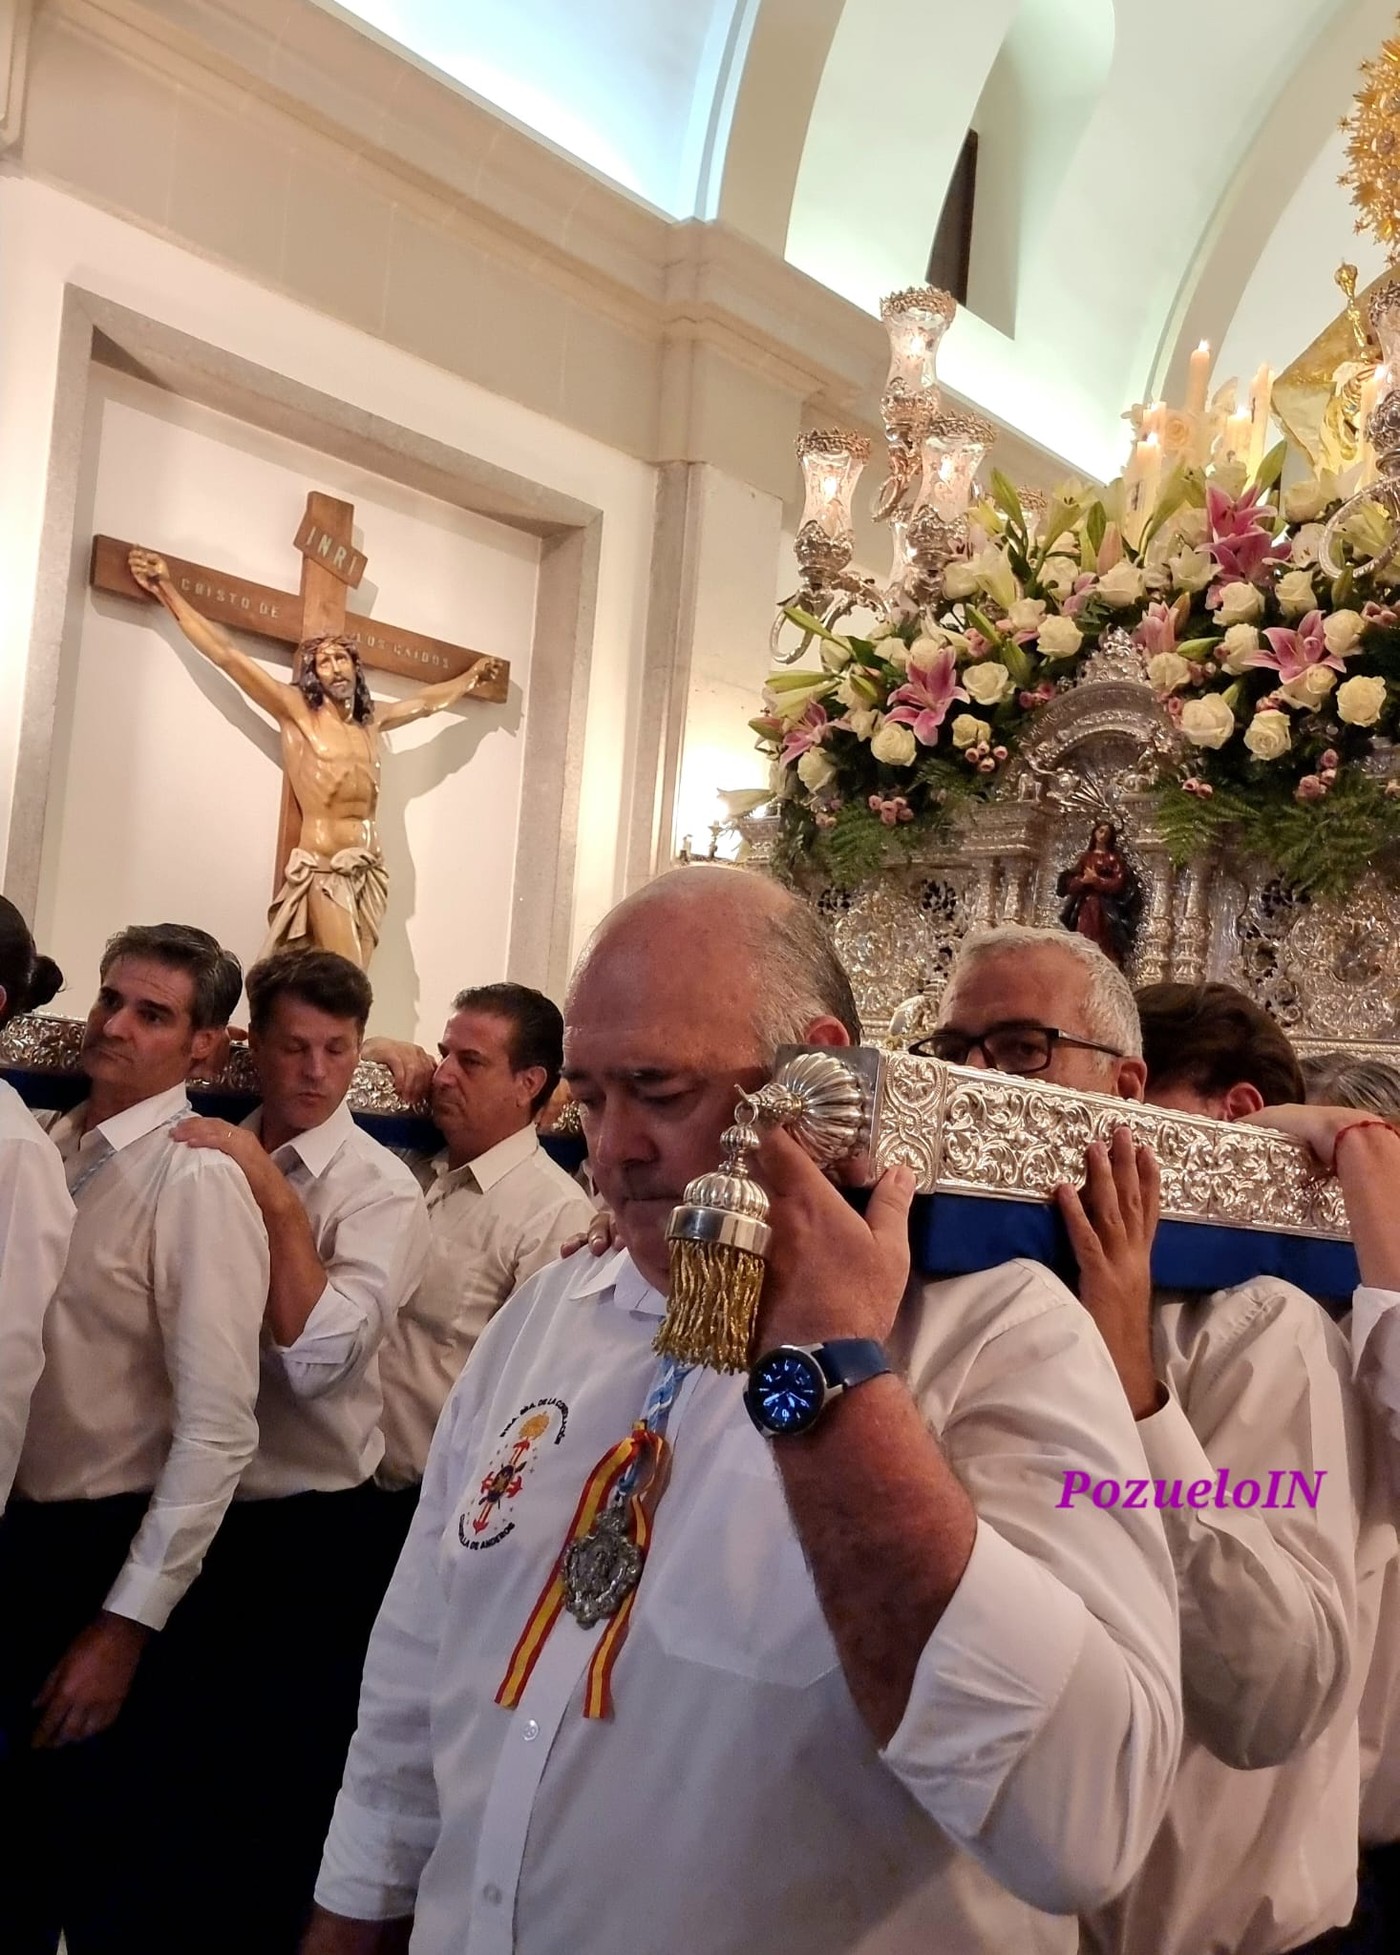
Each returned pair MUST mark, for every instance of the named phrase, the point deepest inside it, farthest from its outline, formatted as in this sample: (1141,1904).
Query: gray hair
(800,978)
(1110,1012)
(1339,1079)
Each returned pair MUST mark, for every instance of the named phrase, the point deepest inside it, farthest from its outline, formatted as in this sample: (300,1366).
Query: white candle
(1261,396)
(1151,471)
(1142,481)
(1234,442)
(1198,379)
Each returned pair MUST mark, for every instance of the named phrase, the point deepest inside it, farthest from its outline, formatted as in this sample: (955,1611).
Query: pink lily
(922,702)
(1156,630)
(1240,543)
(804,734)
(1291,653)
(1084,588)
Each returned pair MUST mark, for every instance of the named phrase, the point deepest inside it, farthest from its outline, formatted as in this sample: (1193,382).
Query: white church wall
(167,782)
(48,240)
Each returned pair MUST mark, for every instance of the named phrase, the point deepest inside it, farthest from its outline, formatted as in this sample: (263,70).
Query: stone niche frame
(98,332)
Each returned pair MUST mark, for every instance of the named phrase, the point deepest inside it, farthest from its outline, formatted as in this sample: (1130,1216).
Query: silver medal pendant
(602,1569)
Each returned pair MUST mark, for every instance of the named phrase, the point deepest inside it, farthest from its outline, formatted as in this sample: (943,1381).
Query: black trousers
(77,1851)
(285,1605)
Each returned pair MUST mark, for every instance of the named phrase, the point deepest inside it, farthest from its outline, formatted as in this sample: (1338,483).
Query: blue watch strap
(847,1361)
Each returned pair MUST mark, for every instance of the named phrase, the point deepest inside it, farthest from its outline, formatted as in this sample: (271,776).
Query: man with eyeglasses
(1255,1854)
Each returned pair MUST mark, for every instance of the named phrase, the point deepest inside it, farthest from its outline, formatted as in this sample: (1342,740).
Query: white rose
(1026,614)
(959,580)
(897,653)
(1240,604)
(1060,638)
(1306,545)
(1310,688)
(1267,735)
(862,721)
(894,744)
(1192,570)
(1342,631)
(857,692)
(1059,575)
(816,769)
(1360,701)
(988,682)
(1305,500)
(969,731)
(1207,721)
(1237,647)
(1167,671)
(1295,593)
(1122,585)
(1191,526)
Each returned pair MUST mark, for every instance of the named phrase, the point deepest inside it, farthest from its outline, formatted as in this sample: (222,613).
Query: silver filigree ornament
(601,1570)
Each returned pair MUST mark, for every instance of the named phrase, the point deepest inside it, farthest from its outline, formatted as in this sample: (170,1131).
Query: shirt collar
(492,1166)
(616,1279)
(135,1122)
(497,1161)
(317,1147)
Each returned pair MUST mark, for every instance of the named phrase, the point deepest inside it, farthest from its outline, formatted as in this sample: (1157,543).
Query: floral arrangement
(1283,684)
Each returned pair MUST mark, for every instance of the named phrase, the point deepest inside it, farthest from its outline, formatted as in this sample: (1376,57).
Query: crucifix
(331,885)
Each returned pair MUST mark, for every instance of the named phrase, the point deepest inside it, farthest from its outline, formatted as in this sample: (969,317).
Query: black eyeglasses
(1009,1048)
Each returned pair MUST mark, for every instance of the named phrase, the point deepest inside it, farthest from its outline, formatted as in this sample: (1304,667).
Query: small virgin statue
(1102,895)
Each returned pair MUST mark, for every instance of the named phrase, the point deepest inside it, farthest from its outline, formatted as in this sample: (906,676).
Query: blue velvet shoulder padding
(956,1233)
(951,1234)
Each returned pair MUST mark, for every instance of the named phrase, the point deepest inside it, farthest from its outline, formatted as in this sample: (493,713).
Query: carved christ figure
(336,885)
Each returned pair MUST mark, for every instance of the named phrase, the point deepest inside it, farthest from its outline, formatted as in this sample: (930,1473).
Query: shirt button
(492,1893)
(530,1730)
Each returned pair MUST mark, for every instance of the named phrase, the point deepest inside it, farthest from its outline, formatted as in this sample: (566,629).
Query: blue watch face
(788,1391)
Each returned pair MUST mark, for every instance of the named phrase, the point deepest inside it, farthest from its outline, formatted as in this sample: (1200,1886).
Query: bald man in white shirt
(142,1421)
(869,1674)
(297,1576)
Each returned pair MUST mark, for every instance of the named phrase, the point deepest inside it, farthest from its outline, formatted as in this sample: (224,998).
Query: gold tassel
(713,1305)
(719,1234)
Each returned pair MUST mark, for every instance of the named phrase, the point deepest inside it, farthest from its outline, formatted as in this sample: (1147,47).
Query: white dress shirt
(1257,1853)
(1374,1330)
(320,1402)
(36,1220)
(494,1222)
(736,1800)
(151,1344)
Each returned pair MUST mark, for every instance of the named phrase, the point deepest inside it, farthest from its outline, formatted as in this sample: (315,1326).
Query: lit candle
(1234,442)
(1198,379)
(1141,481)
(1261,396)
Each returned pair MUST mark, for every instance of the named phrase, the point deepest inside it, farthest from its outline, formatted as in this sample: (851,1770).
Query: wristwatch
(791,1386)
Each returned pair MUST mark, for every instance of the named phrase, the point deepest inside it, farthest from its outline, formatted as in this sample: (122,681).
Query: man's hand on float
(832,1272)
(1111,1226)
(85,1692)
(1316,1126)
(410,1067)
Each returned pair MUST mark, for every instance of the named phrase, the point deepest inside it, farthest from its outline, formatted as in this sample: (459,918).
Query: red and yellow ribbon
(650,1448)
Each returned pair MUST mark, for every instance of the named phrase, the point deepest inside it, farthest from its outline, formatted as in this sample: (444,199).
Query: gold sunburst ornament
(1373,148)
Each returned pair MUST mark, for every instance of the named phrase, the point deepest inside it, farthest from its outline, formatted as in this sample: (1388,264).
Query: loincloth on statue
(354,879)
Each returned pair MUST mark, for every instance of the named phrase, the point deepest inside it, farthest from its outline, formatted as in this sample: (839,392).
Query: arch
(1052,68)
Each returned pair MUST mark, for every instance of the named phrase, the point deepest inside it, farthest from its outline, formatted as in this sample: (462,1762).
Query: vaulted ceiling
(1147,174)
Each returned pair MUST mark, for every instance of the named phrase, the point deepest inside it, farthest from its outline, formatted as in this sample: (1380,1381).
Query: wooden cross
(331,567)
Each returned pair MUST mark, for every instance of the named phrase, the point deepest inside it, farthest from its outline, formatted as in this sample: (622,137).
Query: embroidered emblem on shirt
(520,1443)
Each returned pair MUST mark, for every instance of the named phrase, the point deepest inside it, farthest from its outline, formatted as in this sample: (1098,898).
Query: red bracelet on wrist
(1351,1128)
